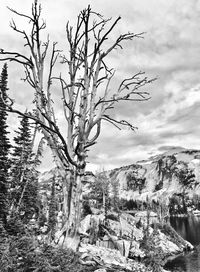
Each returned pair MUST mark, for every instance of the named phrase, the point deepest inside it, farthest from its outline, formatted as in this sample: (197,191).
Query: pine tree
(4,146)
(115,192)
(52,211)
(100,190)
(24,177)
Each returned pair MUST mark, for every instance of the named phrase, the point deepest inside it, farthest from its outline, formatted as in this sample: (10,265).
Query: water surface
(189,229)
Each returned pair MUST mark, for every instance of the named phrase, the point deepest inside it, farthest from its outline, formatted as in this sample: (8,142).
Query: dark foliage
(165,166)
(131,204)
(99,191)
(134,182)
(115,198)
(86,208)
(168,167)
(159,186)
(15,226)
(154,254)
(24,177)
(185,175)
(4,147)
(190,152)
(41,219)
(25,255)
(113,217)
(52,211)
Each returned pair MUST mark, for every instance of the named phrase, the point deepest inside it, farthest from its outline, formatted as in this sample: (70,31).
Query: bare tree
(86,95)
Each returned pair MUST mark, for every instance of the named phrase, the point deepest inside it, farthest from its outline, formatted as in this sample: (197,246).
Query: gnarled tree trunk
(86,95)
(69,236)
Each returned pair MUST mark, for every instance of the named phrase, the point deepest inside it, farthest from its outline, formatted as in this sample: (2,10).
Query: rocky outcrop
(120,240)
(109,258)
(110,243)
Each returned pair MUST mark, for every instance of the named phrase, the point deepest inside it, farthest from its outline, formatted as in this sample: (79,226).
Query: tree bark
(68,236)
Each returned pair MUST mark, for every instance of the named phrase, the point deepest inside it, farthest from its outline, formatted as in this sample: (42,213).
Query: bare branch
(17,57)
(28,77)
(92,141)
(54,57)
(57,132)
(20,14)
(116,122)
(124,37)
(106,34)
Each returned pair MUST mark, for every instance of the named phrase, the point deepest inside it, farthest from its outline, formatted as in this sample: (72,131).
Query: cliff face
(160,177)
(176,172)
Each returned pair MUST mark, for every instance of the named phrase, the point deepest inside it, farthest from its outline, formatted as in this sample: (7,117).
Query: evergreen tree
(115,193)
(4,146)
(24,177)
(52,211)
(100,191)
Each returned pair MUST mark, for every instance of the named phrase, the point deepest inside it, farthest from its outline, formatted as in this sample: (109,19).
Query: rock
(127,245)
(196,212)
(189,246)
(95,211)
(101,270)
(85,224)
(128,217)
(124,247)
(135,250)
(109,258)
(105,238)
(144,214)
(168,247)
(125,230)
(122,240)
(44,228)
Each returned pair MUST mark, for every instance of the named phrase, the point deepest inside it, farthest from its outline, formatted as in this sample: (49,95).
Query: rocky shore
(128,243)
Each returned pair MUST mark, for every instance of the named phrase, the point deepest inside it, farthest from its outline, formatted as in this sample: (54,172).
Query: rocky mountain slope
(172,175)
(162,176)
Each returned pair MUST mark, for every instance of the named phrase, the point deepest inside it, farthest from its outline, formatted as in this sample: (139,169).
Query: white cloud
(170,50)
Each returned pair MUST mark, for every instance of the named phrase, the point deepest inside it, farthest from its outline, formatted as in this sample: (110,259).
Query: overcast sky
(169,51)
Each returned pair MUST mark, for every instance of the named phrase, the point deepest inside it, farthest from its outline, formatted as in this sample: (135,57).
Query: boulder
(124,247)
(100,270)
(125,230)
(144,214)
(85,224)
(166,245)
(109,258)
(135,250)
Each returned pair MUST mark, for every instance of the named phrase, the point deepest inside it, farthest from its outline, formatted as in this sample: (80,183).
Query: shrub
(15,226)
(154,254)
(113,217)
(24,255)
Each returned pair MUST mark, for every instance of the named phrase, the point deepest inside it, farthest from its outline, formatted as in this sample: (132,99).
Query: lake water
(189,229)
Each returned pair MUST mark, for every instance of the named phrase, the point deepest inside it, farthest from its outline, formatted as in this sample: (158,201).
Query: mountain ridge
(172,174)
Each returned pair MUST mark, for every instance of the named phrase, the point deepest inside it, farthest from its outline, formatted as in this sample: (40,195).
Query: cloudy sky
(169,51)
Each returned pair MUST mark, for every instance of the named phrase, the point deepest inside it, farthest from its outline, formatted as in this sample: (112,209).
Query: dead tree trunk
(68,236)
(86,96)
